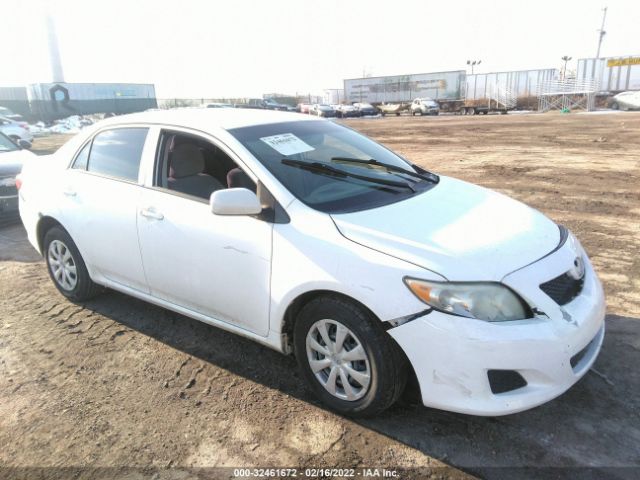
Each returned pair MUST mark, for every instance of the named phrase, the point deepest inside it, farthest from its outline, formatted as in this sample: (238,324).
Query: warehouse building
(50,101)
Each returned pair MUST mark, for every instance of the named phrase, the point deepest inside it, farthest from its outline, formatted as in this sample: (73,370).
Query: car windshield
(6,145)
(323,164)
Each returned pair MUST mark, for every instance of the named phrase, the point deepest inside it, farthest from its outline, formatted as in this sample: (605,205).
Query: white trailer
(611,74)
(455,91)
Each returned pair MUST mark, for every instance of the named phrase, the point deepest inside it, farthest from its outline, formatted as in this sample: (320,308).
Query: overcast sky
(225,48)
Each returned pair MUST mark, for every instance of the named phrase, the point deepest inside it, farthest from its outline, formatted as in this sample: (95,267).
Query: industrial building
(50,101)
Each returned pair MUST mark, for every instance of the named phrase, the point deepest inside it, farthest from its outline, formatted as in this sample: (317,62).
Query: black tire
(615,106)
(387,363)
(84,288)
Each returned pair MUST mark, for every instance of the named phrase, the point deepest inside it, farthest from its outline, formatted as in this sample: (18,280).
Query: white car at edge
(312,239)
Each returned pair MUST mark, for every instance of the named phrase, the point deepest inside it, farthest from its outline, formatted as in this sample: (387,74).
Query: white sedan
(312,239)
(16,130)
(626,101)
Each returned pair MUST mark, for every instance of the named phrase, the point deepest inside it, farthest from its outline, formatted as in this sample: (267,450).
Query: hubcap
(338,360)
(62,265)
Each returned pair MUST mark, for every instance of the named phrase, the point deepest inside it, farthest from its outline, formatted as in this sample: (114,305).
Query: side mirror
(24,144)
(235,201)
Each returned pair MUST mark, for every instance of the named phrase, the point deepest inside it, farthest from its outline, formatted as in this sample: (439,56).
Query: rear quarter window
(117,153)
(82,158)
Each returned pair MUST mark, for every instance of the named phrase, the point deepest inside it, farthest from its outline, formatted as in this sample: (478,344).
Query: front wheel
(66,266)
(347,358)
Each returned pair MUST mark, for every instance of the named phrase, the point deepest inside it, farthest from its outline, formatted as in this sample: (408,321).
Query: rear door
(101,191)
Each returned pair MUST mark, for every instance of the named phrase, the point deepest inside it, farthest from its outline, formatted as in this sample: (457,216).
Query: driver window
(196,167)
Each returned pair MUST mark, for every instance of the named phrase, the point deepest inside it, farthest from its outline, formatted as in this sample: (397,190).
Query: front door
(215,265)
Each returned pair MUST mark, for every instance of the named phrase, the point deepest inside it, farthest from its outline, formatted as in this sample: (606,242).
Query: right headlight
(492,302)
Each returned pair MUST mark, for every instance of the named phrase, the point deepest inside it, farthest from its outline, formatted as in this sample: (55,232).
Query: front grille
(563,288)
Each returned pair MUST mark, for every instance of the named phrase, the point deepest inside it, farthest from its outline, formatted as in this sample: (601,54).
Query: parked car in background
(392,108)
(322,110)
(7,113)
(263,104)
(304,107)
(626,101)
(12,156)
(346,111)
(425,106)
(366,109)
(271,104)
(310,238)
(15,130)
(256,103)
(217,105)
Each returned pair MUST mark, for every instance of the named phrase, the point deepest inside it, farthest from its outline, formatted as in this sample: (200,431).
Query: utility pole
(601,33)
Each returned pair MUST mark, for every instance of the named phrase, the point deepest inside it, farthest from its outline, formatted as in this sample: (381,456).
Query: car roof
(209,118)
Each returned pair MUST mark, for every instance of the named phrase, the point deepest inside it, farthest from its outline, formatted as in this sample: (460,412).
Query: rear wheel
(66,266)
(349,361)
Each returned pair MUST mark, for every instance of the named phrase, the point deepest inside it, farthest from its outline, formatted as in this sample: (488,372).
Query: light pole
(473,63)
(565,59)
(601,32)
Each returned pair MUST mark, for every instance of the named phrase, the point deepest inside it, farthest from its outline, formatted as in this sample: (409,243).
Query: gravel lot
(123,387)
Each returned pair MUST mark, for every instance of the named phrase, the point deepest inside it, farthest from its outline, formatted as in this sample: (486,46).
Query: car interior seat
(186,166)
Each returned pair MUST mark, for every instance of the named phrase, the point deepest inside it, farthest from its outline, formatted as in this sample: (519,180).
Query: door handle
(69,192)
(151,213)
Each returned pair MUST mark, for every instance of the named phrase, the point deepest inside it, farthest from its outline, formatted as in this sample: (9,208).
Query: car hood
(11,162)
(461,231)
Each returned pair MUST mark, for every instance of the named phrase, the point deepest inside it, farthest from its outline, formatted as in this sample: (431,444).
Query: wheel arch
(298,303)
(45,223)
(411,391)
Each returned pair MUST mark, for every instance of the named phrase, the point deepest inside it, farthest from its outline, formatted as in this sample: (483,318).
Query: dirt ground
(131,390)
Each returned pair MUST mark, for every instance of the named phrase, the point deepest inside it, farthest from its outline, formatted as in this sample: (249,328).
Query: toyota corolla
(312,239)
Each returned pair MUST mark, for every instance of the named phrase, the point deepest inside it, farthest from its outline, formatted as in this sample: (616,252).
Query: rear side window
(82,159)
(116,153)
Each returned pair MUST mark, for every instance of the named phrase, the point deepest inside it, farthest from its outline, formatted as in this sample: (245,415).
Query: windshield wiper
(323,168)
(430,177)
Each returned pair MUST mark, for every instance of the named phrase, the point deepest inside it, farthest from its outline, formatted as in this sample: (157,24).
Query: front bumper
(9,204)
(452,355)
